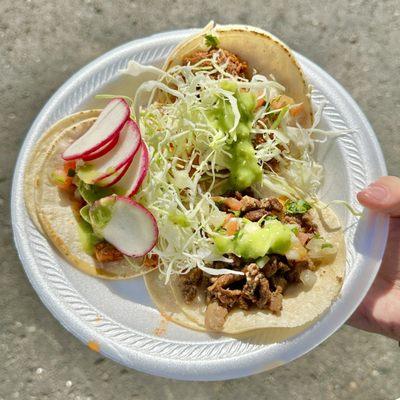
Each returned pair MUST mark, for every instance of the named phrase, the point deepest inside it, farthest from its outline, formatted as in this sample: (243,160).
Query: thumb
(382,195)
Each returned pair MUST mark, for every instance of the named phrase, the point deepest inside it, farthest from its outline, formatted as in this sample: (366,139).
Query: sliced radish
(114,178)
(127,225)
(129,183)
(102,150)
(128,144)
(107,125)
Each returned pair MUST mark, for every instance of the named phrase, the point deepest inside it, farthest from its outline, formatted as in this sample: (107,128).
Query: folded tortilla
(268,56)
(263,52)
(299,306)
(50,208)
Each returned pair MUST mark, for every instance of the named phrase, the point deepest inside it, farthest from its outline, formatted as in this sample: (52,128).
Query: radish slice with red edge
(102,150)
(114,178)
(94,171)
(107,125)
(130,182)
(126,224)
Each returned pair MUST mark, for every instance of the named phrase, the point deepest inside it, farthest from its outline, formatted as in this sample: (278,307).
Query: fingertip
(382,195)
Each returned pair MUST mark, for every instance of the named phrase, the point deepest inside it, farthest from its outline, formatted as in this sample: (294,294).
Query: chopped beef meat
(273,265)
(106,252)
(272,164)
(243,303)
(264,293)
(220,264)
(219,289)
(279,282)
(215,316)
(252,280)
(258,139)
(249,203)
(236,262)
(264,203)
(223,281)
(275,303)
(238,195)
(227,297)
(197,56)
(189,284)
(303,220)
(257,288)
(248,192)
(275,204)
(304,237)
(308,224)
(292,219)
(233,65)
(255,215)
(271,204)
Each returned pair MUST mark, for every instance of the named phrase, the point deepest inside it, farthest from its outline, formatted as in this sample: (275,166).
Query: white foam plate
(120,316)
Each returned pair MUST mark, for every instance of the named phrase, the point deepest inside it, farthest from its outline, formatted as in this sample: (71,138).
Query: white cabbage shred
(188,157)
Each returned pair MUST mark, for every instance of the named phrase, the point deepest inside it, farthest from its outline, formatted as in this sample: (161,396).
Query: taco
(60,203)
(35,161)
(244,243)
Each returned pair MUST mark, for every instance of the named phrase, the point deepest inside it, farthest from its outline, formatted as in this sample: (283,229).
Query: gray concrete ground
(42,43)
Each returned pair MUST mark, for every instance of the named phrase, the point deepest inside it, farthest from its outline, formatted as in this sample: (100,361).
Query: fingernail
(375,192)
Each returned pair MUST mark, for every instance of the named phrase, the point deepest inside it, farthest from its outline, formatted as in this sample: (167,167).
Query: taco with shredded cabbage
(244,243)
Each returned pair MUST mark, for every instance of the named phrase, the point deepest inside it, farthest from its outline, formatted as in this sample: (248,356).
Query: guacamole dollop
(243,166)
(254,241)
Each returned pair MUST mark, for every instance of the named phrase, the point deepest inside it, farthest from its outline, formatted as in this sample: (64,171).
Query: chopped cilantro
(326,245)
(297,207)
(211,40)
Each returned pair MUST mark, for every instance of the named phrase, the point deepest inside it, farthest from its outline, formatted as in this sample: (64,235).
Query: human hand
(380,310)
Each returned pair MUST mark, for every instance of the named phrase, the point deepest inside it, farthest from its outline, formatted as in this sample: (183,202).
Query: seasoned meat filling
(106,252)
(189,284)
(244,291)
(233,65)
(260,286)
(256,215)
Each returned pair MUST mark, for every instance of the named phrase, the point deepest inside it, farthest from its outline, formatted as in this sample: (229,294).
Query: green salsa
(91,193)
(87,237)
(101,212)
(254,241)
(243,166)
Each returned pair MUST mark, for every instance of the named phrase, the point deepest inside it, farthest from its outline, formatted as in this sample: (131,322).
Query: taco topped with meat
(235,190)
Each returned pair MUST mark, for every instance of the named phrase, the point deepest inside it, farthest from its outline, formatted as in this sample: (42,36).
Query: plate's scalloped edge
(43,254)
(352,159)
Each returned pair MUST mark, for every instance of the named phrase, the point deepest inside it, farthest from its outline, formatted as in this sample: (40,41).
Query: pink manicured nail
(375,192)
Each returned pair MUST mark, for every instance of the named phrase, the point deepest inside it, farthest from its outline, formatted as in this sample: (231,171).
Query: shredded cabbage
(189,157)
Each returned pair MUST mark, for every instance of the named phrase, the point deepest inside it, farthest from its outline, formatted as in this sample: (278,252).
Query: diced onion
(319,249)
(309,278)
